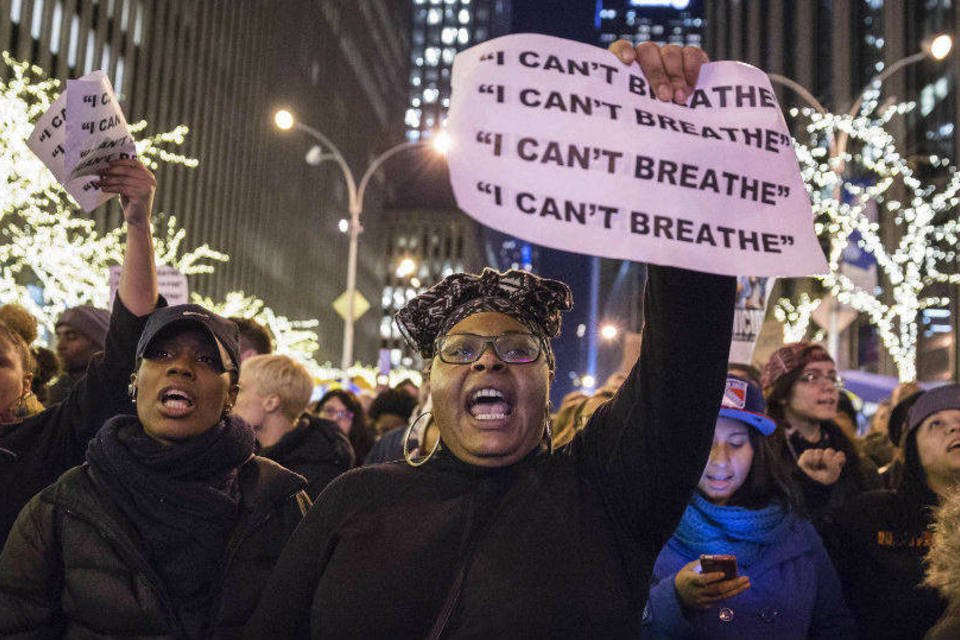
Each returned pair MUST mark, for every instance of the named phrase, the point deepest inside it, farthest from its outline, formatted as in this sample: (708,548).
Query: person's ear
(271,403)
(132,387)
(232,395)
(28,381)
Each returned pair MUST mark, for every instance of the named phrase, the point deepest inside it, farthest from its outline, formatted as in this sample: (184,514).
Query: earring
(548,429)
(407,454)
(132,391)
(227,408)
(21,409)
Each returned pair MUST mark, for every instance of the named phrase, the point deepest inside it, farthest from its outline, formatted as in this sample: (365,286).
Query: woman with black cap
(36,449)
(778,581)
(878,541)
(491,536)
(172,526)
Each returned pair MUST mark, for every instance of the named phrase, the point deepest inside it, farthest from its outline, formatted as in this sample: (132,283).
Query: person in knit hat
(879,540)
(81,333)
(745,506)
(802,389)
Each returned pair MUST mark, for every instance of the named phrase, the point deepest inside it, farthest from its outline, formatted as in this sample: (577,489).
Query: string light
(922,252)
(51,255)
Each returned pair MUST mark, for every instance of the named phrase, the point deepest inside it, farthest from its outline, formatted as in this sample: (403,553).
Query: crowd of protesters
(165,475)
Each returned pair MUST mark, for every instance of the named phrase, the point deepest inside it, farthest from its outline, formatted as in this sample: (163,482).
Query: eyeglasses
(466,348)
(815,377)
(333,414)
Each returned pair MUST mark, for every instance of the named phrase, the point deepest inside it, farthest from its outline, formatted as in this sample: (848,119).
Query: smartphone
(719,563)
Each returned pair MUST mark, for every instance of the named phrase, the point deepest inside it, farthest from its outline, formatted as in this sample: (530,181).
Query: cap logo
(735,395)
(194,313)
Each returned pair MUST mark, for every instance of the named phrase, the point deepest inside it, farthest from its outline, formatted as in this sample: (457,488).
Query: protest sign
(82,132)
(753,292)
(561,144)
(171,284)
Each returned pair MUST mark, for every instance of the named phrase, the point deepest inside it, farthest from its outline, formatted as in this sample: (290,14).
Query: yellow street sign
(342,303)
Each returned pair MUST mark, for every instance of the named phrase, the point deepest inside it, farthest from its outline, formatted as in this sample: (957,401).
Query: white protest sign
(561,144)
(171,283)
(753,292)
(97,132)
(49,143)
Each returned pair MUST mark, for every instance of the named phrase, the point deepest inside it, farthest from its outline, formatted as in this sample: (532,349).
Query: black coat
(316,449)
(35,452)
(554,546)
(877,542)
(72,566)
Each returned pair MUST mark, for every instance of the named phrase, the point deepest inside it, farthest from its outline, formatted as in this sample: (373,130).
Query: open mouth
(954,447)
(177,402)
(489,404)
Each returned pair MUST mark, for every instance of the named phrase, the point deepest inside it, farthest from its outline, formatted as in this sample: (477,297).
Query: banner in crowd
(753,293)
(561,144)
(171,284)
(82,132)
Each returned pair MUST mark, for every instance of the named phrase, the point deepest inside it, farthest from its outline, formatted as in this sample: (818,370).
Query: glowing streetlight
(406,267)
(609,331)
(940,46)
(441,142)
(343,225)
(327,150)
(283,119)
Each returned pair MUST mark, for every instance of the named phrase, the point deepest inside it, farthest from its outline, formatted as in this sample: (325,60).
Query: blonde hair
(284,377)
(943,559)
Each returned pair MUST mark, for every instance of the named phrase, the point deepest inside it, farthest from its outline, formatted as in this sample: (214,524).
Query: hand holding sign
(136,185)
(561,144)
(80,135)
(671,71)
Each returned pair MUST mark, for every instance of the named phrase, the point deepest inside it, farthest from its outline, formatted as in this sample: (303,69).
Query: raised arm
(102,393)
(136,186)
(645,449)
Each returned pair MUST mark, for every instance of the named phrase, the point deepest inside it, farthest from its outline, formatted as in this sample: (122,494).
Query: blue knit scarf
(712,529)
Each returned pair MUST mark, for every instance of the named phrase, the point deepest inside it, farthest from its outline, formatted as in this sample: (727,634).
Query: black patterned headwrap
(536,303)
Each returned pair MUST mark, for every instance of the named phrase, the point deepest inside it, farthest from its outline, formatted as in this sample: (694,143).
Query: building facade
(222,68)
(679,22)
(834,49)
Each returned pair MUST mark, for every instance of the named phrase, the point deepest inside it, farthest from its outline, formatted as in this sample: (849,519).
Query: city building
(679,22)
(441,28)
(222,68)
(834,49)
(429,237)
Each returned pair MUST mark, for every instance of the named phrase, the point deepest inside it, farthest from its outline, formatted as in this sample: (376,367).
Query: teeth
(490,416)
(487,393)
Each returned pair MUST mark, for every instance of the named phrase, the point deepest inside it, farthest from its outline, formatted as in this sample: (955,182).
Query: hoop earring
(407,455)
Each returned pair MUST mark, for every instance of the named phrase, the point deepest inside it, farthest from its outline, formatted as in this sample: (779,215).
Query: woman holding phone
(773,578)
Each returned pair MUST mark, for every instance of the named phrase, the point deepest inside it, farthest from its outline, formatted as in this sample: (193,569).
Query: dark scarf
(182,500)
(712,529)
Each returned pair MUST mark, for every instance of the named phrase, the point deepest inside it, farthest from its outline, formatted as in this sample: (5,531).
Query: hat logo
(735,395)
(194,313)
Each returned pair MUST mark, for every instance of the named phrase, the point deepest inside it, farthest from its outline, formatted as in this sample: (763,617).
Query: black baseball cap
(221,330)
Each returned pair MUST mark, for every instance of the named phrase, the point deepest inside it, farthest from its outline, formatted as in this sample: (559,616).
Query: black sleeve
(285,607)
(102,392)
(645,449)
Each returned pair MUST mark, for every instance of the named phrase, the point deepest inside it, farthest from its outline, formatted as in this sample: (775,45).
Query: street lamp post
(937,47)
(355,193)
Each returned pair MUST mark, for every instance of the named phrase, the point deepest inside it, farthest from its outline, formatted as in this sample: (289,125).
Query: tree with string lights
(51,255)
(918,252)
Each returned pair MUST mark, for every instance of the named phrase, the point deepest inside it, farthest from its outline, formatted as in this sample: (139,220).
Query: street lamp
(937,47)
(609,331)
(285,120)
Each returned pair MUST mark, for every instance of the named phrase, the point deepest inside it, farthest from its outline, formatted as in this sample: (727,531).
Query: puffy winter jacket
(72,566)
